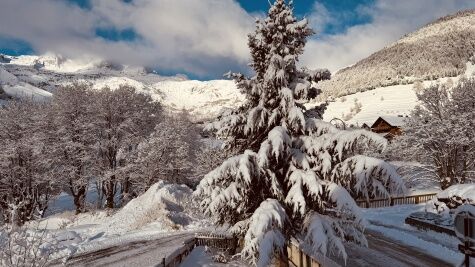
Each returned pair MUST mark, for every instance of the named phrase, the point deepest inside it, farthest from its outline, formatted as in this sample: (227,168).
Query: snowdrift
(159,211)
(161,207)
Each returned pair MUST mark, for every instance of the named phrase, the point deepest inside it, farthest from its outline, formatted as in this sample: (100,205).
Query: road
(382,251)
(138,253)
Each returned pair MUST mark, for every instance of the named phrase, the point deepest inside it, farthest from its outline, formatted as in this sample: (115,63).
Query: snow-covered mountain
(440,49)
(380,85)
(37,77)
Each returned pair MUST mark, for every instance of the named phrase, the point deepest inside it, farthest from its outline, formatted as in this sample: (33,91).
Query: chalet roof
(392,120)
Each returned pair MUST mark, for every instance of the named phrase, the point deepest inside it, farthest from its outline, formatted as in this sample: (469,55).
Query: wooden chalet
(387,126)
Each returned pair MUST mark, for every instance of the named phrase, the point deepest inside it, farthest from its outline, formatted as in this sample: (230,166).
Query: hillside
(440,49)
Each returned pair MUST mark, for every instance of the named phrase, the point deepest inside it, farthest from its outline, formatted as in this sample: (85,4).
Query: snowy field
(390,101)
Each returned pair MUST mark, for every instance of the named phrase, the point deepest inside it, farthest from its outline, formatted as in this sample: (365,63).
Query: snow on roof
(393,120)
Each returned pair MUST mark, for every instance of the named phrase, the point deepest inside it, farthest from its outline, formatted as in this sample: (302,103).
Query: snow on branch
(224,186)
(264,236)
(369,176)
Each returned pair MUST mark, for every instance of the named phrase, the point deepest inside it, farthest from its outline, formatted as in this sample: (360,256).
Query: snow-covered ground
(386,101)
(391,101)
(465,191)
(164,210)
(200,256)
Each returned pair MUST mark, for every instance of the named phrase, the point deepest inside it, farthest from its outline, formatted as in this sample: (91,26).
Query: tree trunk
(124,195)
(79,199)
(109,192)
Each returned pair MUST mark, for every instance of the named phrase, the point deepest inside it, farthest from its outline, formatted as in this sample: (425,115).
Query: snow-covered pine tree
(296,175)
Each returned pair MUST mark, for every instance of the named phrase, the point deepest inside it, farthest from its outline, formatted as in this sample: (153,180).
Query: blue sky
(205,38)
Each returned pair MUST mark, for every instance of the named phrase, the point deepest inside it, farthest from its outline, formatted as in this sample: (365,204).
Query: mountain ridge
(440,49)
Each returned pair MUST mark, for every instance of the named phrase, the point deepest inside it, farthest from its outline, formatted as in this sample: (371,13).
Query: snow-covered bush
(447,201)
(25,247)
(441,132)
(296,175)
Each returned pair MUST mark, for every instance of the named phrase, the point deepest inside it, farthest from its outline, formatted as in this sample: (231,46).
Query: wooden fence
(299,258)
(221,242)
(386,202)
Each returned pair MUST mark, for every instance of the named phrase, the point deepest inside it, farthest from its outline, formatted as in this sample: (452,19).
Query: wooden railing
(386,202)
(220,242)
(299,258)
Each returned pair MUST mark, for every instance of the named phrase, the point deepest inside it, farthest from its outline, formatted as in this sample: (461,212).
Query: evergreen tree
(297,175)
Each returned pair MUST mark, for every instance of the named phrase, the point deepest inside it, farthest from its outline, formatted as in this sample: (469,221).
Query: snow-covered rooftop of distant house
(394,120)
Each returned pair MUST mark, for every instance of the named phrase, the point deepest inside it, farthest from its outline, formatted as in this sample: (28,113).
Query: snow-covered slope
(390,101)
(437,50)
(204,99)
(396,100)
(38,76)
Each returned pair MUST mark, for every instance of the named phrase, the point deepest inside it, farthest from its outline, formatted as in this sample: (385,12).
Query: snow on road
(386,225)
(160,215)
(383,251)
(200,257)
(136,253)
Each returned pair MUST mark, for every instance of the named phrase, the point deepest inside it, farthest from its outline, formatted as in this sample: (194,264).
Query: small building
(388,126)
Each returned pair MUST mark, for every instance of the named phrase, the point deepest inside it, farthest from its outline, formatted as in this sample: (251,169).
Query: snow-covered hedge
(447,201)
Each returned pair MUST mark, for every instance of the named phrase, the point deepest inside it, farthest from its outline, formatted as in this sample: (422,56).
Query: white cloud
(205,37)
(194,36)
(390,21)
